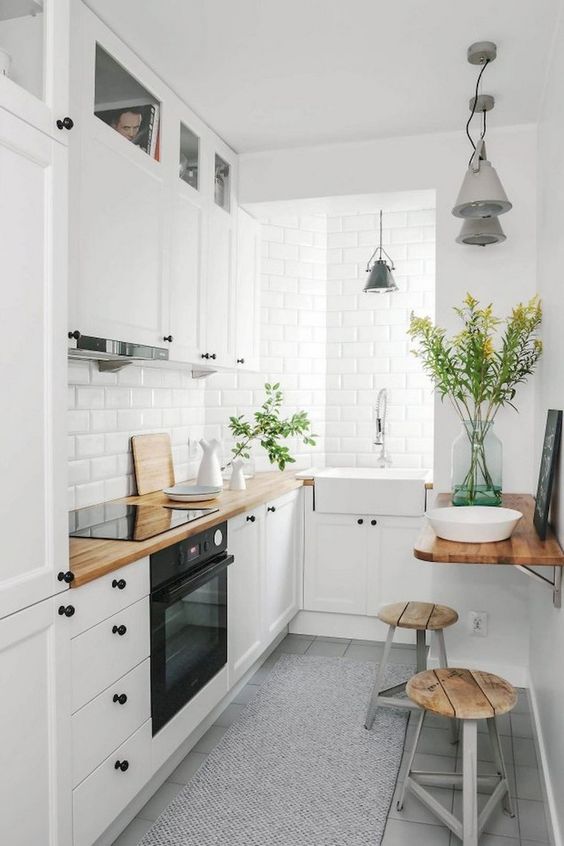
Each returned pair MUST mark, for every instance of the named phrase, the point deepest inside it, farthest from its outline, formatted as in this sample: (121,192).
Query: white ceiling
(266,74)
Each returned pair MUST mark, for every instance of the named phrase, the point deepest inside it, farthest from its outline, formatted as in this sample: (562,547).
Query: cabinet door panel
(32,365)
(282,559)
(245,592)
(34,727)
(185,276)
(335,564)
(247,292)
(219,288)
(396,575)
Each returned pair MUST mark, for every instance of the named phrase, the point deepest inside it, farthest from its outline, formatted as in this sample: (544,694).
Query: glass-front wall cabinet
(121,102)
(222,183)
(22,44)
(189,161)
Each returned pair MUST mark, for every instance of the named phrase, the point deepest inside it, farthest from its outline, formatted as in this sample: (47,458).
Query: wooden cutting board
(152,459)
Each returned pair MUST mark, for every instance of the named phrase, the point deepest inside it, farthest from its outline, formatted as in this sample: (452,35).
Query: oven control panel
(187,555)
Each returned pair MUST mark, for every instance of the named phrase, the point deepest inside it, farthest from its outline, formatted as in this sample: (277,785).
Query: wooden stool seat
(462,694)
(425,616)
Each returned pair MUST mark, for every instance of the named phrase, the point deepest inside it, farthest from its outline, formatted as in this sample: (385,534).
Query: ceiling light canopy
(381,280)
(481,196)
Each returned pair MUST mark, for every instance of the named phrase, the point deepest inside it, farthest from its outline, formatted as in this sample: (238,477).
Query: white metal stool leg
(440,636)
(373,704)
(469,783)
(420,716)
(500,764)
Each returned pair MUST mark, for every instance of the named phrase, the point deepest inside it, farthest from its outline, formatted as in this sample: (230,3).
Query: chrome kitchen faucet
(384,459)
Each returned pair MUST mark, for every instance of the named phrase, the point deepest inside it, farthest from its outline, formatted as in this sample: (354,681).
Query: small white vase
(209,472)
(238,482)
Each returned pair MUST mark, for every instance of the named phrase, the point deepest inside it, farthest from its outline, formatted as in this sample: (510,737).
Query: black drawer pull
(67,577)
(120,630)
(271,508)
(65,123)
(373,522)
(240,361)
(120,697)
(360,521)
(205,355)
(168,338)
(121,765)
(119,584)
(251,518)
(68,610)
(75,335)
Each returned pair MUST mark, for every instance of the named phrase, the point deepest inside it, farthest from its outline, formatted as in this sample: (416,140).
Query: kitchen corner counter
(90,559)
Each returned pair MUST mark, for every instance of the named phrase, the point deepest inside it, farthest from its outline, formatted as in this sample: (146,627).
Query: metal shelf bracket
(555,584)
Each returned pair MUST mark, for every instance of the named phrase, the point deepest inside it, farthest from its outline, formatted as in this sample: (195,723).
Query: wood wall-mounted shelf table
(522,550)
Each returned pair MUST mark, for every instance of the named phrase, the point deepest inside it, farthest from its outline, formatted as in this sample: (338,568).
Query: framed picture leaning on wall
(549,457)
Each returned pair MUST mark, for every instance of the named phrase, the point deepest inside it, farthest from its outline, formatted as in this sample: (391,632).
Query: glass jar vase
(477,465)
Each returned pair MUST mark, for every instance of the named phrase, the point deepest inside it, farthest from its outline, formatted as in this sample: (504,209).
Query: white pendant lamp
(481,196)
(481,231)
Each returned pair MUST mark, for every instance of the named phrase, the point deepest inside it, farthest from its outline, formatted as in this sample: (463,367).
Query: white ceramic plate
(192,493)
(473,523)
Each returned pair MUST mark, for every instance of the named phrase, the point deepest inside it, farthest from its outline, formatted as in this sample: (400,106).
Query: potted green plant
(479,370)
(270,429)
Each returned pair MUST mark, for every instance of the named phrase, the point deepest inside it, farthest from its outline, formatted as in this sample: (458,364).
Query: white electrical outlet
(479,623)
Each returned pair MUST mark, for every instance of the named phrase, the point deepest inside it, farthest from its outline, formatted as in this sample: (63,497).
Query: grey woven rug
(297,767)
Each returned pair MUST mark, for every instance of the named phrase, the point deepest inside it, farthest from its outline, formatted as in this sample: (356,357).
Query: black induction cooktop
(127,522)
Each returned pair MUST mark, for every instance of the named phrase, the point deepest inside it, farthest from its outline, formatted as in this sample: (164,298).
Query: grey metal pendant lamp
(381,280)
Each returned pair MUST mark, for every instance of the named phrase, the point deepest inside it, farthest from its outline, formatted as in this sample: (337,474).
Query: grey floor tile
(492,840)
(522,725)
(434,741)
(436,763)
(131,835)
(485,752)
(499,823)
(525,754)
(402,833)
(355,652)
(246,694)
(486,767)
(210,739)
(229,714)
(346,640)
(522,706)
(528,783)
(356,642)
(159,800)
(186,769)
(403,655)
(265,669)
(532,820)
(415,811)
(503,725)
(327,648)
(294,644)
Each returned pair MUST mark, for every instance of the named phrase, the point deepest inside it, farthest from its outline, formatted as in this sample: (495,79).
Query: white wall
(547,623)
(503,273)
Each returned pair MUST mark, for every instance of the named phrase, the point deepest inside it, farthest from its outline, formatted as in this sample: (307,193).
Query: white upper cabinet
(119,193)
(34,38)
(32,430)
(247,292)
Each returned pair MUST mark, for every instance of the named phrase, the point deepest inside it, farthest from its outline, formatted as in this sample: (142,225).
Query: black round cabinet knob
(119,584)
(271,508)
(213,355)
(360,521)
(121,765)
(75,335)
(67,610)
(205,355)
(240,361)
(373,522)
(121,698)
(119,630)
(67,577)
(168,338)
(65,123)
(251,518)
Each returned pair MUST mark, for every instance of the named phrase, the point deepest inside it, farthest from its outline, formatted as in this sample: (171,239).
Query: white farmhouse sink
(371,490)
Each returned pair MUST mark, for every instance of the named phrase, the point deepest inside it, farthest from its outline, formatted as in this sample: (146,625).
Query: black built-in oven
(188,619)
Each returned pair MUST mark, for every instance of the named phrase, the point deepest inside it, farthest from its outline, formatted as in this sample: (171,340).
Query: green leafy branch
(269,429)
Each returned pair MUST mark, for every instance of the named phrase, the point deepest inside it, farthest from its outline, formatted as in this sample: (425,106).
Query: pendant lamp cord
(473,112)
(381,250)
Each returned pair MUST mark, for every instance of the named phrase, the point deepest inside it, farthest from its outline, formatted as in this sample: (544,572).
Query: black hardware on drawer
(373,522)
(67,577)
(205,355)
(168,338)
(120,630)
(271,508)
(360,521)
(121,765)
(67,610)
(120,697)
(65,123)
(75,335)
(251,518)
(240,361)
(119,584)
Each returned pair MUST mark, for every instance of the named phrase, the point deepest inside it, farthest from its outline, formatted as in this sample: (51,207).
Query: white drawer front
(102,655)
(106,792)
(107,721)
(107,595)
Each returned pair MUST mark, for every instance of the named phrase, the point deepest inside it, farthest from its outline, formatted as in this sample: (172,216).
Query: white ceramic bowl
(192,493)
(473,523)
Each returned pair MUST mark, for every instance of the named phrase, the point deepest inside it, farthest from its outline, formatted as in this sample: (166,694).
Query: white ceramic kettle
(209,472)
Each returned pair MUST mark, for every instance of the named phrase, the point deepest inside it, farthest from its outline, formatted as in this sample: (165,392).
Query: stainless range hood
(113,355)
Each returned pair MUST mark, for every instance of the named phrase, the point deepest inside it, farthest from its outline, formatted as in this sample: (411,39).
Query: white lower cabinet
(245,590)
(283,537)
(101,797)
(35,786)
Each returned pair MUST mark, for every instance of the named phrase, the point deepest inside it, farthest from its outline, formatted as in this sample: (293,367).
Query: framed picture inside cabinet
(549,457)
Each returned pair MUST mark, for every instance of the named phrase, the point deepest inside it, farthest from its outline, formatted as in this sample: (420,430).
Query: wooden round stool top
(464,694)
(418,615)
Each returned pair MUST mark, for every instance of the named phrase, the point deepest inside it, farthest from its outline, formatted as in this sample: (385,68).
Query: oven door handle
(176,592)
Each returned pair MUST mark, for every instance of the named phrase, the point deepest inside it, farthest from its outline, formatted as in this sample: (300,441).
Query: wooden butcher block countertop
(90,559)
(523,547)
